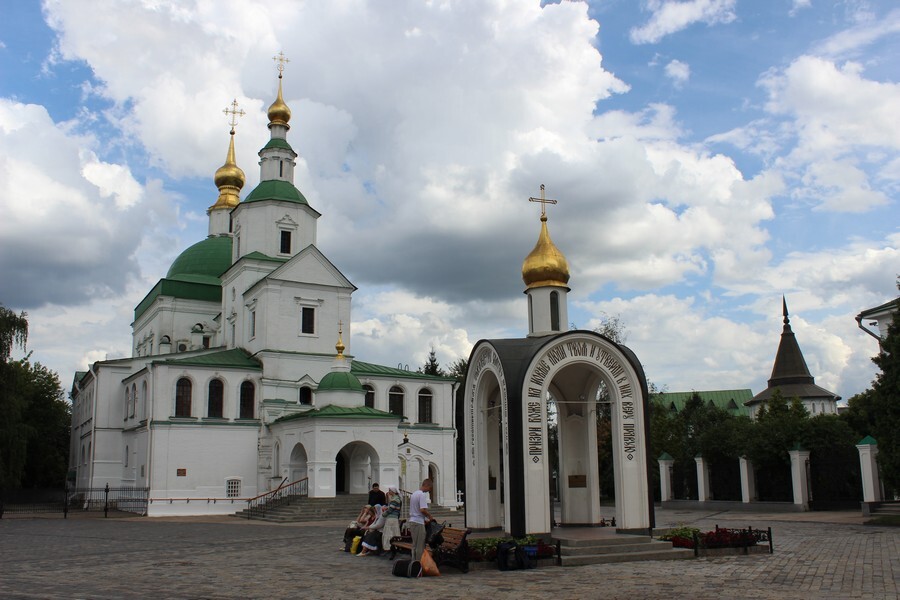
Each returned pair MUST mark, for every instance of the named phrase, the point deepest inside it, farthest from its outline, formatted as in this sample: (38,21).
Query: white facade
(236,383)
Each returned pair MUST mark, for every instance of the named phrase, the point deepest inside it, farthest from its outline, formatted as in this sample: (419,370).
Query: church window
(134,398)
(554,311)
(307,320)
(127,401)
(143,411)
(183,397)
(126,456)
(530,315)
(305,395)
(281,168)
(206,340)
(285,242)
(425,402)
(232,488)
(216,400)
(252,323)
(248,393)
(395,401)
(370,396)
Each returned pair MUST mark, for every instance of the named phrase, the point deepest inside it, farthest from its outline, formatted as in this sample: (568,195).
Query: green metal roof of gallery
(360,368)
(236,358)
(728,400)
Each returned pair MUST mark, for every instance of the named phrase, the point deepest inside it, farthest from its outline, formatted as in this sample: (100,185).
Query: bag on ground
(354,547)
(506,556)
(429,567)
(407,568)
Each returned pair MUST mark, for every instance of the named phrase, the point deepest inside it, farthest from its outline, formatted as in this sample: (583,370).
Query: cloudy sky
(708,156)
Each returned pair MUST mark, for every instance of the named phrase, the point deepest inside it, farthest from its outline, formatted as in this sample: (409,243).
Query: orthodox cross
(235,112)
(281,59)
(544,202)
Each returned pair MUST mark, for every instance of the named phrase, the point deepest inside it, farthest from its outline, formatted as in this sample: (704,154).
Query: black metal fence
(285,494)
(75,500)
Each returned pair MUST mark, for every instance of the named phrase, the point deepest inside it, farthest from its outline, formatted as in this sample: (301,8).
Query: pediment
(310,266)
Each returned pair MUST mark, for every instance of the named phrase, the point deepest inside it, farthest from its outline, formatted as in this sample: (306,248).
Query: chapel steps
(887,507)
(579,551)
(343,507)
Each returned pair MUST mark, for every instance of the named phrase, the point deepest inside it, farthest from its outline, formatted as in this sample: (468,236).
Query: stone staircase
(581,550)
(887,508)
(343,507)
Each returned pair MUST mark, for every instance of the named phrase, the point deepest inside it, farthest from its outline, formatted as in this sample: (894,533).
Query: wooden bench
(453,551)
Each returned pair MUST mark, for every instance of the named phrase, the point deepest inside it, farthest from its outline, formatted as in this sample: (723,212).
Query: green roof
(277,143)
(235,358)
(275,189)
(339,380)
(729,400)
(360,368)
(867,441)
(203,262)
(256,255)
(342,412)
(209,292)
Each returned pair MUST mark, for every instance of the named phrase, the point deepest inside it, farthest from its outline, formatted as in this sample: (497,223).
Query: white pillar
(321,476)
(666,464)
(702,479)
(868,453)
(799,460)
(748,481)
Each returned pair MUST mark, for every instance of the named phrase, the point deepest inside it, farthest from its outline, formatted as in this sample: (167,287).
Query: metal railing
(284,494)
(72,499)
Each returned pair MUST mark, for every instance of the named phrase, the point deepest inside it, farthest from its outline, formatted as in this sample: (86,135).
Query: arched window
(425,398)
(305,395)
(134,399)
(216,400)
(248,400)
(183,397)
(126,456)
(370,396)
(127,402)
(554,311)
(143,411)
(395,401)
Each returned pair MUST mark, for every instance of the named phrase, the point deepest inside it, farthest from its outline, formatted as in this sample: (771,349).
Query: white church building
(241,376)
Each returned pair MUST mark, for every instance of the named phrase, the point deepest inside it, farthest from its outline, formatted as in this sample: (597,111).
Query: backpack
(407,568)
(511,556)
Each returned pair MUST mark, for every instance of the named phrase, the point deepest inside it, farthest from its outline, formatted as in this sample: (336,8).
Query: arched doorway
(297,469)
(357,467)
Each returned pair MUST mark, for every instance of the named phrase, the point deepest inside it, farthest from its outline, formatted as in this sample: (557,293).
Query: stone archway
(358,466)
(572,367)
(298,466)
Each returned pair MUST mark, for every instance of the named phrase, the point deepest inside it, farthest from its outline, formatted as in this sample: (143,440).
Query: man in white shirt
(418,517)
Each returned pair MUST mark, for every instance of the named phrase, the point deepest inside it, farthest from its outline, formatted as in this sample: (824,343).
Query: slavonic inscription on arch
(617,375)
(487,357)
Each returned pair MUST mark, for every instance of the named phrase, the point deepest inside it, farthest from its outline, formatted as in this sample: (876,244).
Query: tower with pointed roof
(545,272)
(791,376)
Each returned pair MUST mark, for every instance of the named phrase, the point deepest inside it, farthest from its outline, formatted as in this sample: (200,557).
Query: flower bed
(719,538)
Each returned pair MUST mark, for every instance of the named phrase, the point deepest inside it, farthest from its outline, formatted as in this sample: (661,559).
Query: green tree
(34,430)
(885,406)
(431,365)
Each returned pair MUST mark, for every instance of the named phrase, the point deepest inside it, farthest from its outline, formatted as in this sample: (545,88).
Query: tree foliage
(431,366)
(34,430)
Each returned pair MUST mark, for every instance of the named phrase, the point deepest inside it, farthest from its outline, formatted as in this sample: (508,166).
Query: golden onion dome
(279,113)
(545,265)
(229,178)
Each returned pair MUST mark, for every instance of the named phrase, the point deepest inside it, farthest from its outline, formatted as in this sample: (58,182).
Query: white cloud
(679,72)
(671,16)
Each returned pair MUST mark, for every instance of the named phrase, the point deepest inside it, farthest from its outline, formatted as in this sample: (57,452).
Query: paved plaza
(817,555)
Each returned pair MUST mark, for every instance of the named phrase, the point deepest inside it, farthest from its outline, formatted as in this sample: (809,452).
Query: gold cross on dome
(281,59)
(544,201)
(235,112)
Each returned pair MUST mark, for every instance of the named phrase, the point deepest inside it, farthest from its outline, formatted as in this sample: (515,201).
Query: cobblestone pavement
(816,556)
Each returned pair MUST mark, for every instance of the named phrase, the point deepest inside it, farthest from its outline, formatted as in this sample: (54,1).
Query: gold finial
(234,112)
(229,178)
(544,202)
(281,60)
(279,113)
(545,265)
(340,343)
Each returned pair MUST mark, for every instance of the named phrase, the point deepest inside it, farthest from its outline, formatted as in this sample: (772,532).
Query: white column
(799,459)
(321,476)
(702,479)
(868,453)
(748,481)
(666,464)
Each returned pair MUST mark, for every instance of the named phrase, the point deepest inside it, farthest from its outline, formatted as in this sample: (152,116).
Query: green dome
(340,381)
(276,189)
(203,262)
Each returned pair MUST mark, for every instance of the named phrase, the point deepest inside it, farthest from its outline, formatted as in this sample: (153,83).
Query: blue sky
(708,155)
